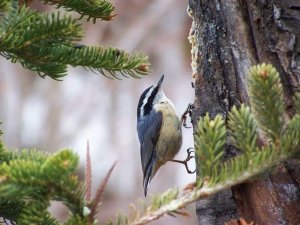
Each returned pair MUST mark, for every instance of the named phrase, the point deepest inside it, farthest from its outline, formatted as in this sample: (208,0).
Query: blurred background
(50,115)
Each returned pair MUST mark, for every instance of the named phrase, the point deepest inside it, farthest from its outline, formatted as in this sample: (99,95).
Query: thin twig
(88,173)
(96,200)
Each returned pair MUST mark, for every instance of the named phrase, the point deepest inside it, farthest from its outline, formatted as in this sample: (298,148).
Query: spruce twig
(297,102)
(186,197)
(92,9)
(4,5)
(266,98)
(47,43)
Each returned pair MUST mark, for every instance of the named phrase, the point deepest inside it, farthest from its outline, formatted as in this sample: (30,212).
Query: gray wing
(148,132)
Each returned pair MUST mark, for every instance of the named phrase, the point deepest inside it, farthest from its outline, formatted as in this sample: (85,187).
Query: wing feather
(148,132)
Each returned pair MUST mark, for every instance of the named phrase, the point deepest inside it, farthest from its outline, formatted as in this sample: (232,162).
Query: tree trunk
(227,38)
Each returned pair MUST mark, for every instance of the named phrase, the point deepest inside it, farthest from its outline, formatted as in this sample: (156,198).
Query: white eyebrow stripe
(145,100)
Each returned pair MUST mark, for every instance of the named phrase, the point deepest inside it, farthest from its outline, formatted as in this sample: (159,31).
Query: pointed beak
(160,81)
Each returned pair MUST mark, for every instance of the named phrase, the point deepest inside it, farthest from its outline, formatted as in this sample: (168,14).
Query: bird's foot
(185,162)
(187,112)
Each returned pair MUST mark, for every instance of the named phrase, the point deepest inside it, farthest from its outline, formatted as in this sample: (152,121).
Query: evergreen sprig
(4,5)
(266,98)
(243,129)
(46,43)
(31,179)
(11,208)
(37,30)
(60,165)
(297,102)
(158,201)
(35,213)
(211,139)
(290,137)
(93,9)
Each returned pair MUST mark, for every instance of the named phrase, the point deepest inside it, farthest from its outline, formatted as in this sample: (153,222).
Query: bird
(159,131)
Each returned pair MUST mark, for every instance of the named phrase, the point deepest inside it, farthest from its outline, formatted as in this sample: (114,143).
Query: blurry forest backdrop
(49,115)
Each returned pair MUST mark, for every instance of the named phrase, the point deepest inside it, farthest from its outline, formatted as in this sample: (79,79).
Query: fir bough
(266,98)
(243,129)
(4,5)
(92,9)
(297,102)
(47,42)
(211,139)
(29,180)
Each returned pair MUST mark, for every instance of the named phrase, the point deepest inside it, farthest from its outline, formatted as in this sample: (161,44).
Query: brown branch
(96,200)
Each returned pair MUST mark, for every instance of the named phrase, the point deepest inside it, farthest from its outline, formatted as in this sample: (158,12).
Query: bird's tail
(148,174)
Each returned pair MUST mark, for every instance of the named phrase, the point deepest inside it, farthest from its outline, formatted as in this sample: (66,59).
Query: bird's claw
(188,158)
(187,112)
(184,162)
(189,152)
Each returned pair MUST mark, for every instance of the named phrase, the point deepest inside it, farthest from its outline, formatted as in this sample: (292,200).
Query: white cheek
(166,100)
(145,101)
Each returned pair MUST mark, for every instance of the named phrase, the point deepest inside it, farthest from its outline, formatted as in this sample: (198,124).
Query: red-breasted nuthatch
(159,131)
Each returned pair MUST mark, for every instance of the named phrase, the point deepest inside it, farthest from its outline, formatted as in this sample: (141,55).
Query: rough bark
(227,38)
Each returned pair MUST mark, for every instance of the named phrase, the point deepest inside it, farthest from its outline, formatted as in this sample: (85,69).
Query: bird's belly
(168,146)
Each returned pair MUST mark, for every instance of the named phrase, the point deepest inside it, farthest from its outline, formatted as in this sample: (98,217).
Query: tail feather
(148,174)
(146,183)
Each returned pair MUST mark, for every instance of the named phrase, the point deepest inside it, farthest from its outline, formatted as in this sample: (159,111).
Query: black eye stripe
(148,106)
(141,101)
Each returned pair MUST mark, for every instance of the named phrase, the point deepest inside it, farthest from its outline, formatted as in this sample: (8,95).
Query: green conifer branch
(53,61)
(77,219)
(72,196)
(242,129)
(188,196)
(297,102)
(290,137)
(49,220)
(266,98)
(46,43)
(210,143)
(60,165)
(4,5)
(93,9)
(11,208)
(34,213)
(37,29)
(30,179)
